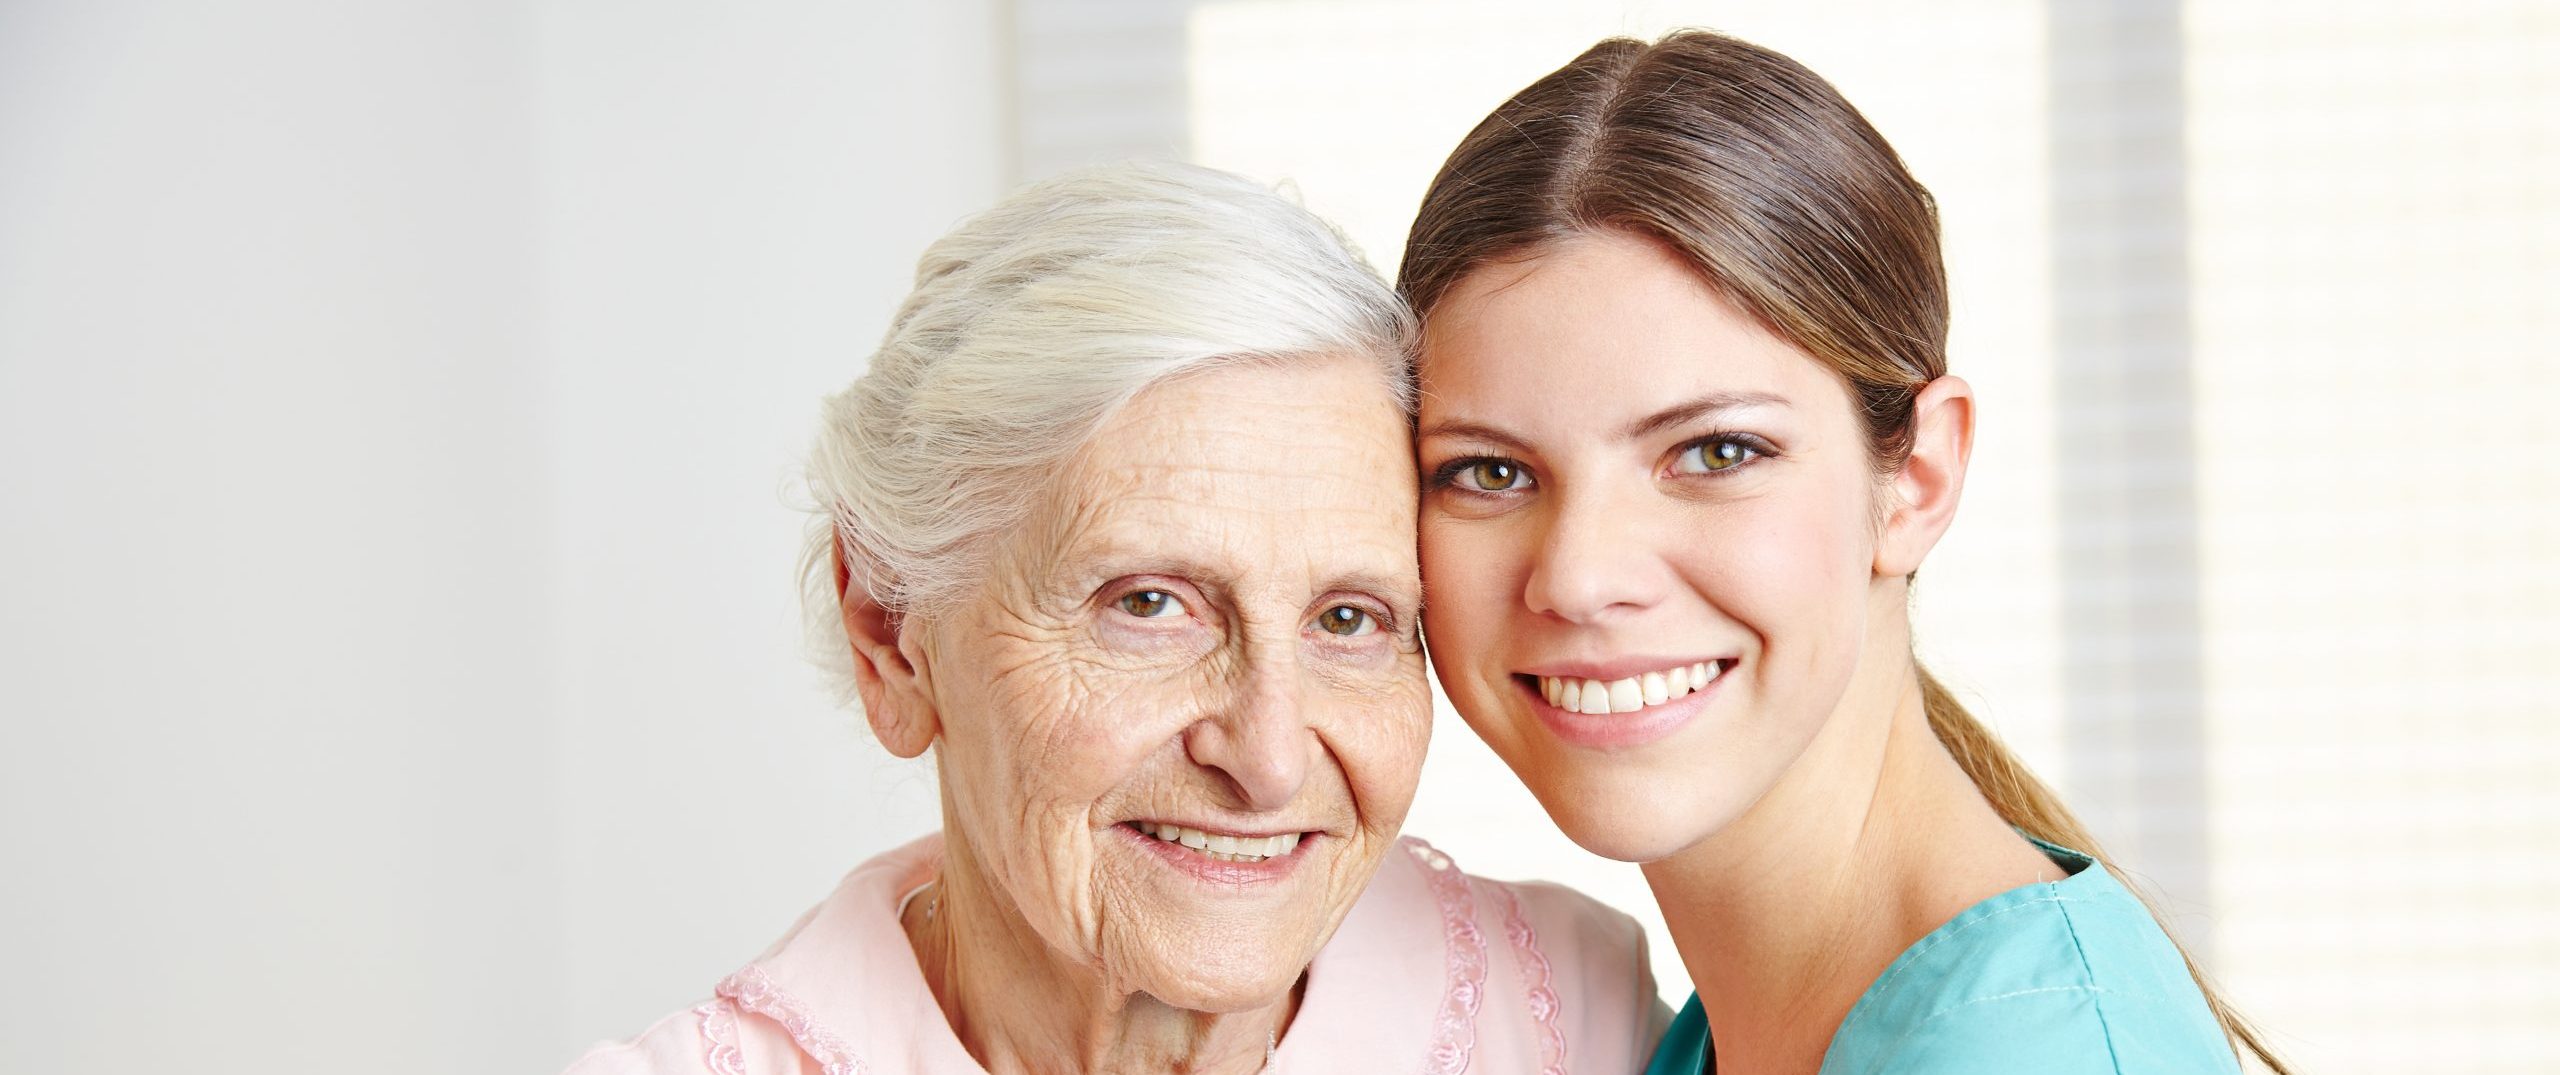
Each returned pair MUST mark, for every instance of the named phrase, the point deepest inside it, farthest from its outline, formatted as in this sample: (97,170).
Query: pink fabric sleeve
(712,1038)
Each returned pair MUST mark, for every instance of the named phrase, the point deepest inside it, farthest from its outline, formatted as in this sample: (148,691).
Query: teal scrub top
(2057,978)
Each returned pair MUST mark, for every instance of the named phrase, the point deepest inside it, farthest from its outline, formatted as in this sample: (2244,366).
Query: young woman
(1687,433)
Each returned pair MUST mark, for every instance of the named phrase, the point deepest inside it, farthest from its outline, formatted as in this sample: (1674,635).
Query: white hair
(1029,326)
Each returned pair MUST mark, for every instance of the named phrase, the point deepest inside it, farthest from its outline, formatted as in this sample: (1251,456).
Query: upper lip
(1229,828)
(1614,668)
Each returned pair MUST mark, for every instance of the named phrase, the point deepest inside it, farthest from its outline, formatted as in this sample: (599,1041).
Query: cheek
(1034,745)
(1379,738)
(1075,739)
(1471,580)
(1794,572)
(1068,732)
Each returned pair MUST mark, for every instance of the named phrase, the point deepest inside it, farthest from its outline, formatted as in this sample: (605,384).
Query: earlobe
(887,672)
(1931,480)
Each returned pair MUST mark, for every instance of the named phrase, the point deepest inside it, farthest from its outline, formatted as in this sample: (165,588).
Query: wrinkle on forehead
(1310,483)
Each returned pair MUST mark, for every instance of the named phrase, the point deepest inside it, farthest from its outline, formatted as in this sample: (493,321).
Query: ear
(1931,480)
(889,670)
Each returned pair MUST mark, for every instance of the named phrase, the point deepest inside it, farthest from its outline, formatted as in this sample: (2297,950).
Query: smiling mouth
(1219,846)
(1631,694)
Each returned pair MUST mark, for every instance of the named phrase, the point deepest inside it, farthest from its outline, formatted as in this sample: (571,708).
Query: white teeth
(1627,695)
(1222,847)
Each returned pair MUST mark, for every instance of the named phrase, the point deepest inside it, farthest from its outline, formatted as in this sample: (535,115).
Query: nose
(1593,565)
(1261,742)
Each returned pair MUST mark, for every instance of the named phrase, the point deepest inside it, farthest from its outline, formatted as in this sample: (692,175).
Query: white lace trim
(720,1039)
(1453,1037)
(1544,1005)
(752,991)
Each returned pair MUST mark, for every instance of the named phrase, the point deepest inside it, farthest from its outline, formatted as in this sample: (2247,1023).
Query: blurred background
(399,403)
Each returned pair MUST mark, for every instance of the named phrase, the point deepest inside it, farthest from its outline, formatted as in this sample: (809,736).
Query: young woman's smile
(1647,529)
(1592,705)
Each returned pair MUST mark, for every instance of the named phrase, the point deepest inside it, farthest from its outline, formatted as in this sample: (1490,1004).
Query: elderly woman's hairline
(1033,324)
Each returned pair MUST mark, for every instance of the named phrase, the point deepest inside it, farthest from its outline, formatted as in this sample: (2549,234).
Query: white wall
(277,774)
(396,651)
(734,199)
(2374,255)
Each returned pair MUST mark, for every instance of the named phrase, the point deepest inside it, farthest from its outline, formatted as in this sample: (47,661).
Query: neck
(1873,838)
(1018,1007)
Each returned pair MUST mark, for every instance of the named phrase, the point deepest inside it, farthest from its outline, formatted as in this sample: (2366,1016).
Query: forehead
(1249,469)
(1603,311)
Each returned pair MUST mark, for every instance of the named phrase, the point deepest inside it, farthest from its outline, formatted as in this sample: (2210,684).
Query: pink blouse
(1433,971)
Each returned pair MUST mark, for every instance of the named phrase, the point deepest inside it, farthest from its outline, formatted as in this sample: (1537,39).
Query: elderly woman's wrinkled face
(1185,717)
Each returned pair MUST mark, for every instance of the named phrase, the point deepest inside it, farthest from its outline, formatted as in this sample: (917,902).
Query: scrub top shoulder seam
(1913,957)
(2089,976)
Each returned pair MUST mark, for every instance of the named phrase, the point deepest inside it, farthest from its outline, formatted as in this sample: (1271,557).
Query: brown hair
(1777,191)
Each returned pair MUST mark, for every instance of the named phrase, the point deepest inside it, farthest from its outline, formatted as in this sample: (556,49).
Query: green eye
(1493,475)
(1711,456)
(1346,621)
(1151,604)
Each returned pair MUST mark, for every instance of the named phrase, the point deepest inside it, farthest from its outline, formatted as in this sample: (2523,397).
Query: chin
(1636,821)
(1239,980)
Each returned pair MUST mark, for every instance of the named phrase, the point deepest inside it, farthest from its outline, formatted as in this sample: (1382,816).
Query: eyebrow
(1685,413)
(1675,415)
(1117,560)
(1393,588)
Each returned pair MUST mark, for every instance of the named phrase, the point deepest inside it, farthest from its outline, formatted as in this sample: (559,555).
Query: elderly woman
(1120,526)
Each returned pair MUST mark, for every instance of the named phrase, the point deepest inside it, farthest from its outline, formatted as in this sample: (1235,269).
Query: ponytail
(2032,808)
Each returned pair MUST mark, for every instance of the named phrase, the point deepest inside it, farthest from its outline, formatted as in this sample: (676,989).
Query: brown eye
(1712,456)
(1151,604)
(1493,475)
(1346,621)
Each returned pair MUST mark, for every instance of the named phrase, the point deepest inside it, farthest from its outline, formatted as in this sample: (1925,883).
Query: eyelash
(1381,622)
(1171,599)
(1446,475)
(1759,449)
